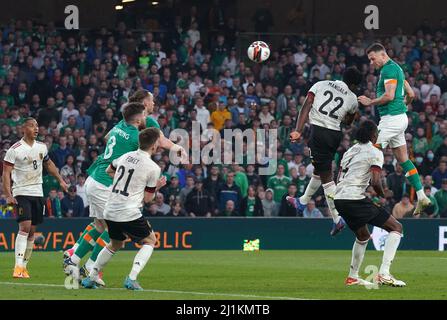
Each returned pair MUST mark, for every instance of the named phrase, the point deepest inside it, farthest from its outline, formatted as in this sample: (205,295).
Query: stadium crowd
(75,86)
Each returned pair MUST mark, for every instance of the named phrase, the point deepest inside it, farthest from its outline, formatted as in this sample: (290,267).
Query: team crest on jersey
(41,156)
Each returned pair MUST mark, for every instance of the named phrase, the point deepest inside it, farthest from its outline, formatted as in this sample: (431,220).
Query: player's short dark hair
(352,76)
(375,47)
(29,119)
(139,95)
(366,131)
(131,110)
(148,137)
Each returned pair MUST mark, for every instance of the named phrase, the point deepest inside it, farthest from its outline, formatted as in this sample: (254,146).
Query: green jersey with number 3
(392,72)
(123,138)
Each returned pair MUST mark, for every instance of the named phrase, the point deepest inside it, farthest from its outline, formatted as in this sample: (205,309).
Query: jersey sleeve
(390,75)
(10,157)
(152,123)
(152,179)
(377,159)
(354,105)
(46,156)
(314,88)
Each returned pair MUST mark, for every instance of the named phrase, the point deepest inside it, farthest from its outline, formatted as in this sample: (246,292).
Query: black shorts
(358,213)
(136,230)
(323,144)
(30,208)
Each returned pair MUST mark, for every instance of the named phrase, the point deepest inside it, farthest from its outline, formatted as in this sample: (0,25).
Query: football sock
(391,244)
(28,251)
(413,176)
(358,252)
(20,247)
(312,187)
(87,243)
(87,229)
(140,260)
(103,258)
(329,192)
(102,242)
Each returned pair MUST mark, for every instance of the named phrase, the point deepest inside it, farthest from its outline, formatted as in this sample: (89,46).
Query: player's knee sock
(28,251)
(358,252)
(312,187)
(391,244)
(20,247)
(102,242)
(413,176)
(87,244)
(87,229)
(103,258)
(140,260)
(329,192)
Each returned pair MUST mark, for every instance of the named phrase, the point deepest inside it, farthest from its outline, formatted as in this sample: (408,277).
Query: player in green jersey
(97,238)
(393,95)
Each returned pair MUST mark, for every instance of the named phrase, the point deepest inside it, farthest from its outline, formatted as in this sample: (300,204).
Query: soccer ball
(258,51)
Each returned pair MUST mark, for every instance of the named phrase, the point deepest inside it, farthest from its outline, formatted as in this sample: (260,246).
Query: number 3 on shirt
(109,148)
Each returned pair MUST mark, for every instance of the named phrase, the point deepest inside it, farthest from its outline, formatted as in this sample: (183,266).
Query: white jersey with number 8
(333,101)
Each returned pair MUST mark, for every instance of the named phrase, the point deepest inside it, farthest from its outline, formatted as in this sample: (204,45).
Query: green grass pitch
(233,275)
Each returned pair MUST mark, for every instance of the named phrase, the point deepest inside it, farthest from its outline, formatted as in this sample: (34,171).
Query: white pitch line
(161,291)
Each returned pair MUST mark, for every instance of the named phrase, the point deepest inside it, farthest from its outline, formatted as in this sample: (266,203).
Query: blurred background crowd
(75,85)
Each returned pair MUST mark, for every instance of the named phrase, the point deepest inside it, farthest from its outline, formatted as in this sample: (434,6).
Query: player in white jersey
(136,179)
(328,104)
(361,164)
(24,162)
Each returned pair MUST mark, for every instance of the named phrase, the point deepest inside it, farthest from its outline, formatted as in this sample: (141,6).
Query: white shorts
(97,196)
(392,131)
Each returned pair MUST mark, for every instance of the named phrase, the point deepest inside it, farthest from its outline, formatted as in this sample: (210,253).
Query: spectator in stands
(190,183)
(177,210)
(229,210)
(229,191)
(53,205)
(60,154)
(286,208)
(396,182)
(160,206)
(269,206)
(311,211)
(198,202)
(439,174)
(72,205)
(441,199)
(251,205)
(404,208)
(279,183)
(433,210)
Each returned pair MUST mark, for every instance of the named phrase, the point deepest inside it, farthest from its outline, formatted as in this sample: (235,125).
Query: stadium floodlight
(154,3)
(119,7)
(124,1)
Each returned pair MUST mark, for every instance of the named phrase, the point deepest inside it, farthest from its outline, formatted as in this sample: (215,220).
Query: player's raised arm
(167,144)
(302,117)
(410,93)
(149,193)
(388,96)
(52,170)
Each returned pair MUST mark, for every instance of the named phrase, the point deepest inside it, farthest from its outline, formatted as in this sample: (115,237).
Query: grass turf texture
(233,275)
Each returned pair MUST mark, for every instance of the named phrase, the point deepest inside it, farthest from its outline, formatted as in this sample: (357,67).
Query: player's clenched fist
(294,136)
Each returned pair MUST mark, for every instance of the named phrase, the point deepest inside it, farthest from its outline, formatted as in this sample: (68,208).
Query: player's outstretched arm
(6,178)
(390,92)
(149,194)
(52,170)
(410,93)
(376,181)
(167,144)
(302,117)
